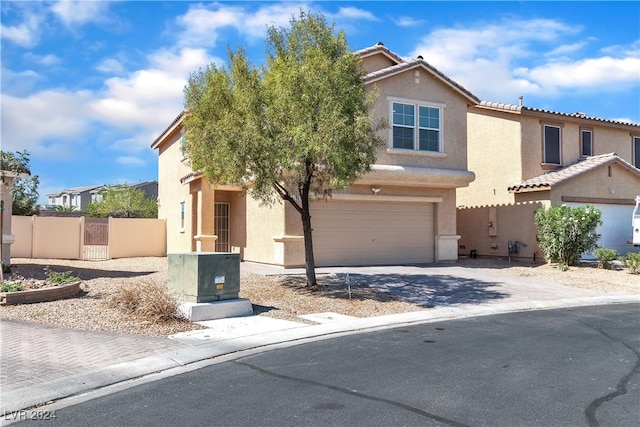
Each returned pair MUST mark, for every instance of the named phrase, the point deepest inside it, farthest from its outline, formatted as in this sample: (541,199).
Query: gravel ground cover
(283,297)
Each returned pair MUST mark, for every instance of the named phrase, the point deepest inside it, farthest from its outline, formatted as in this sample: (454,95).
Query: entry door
(221,226)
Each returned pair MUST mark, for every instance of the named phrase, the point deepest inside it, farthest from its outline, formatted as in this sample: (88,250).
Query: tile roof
(419,63)
(522,108)
(380,48)
(549,179)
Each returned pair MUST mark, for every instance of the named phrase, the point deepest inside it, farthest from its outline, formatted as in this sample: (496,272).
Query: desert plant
(11,287)
(632,262)
(59,277)
(565,233)
(146,299)
(605,256)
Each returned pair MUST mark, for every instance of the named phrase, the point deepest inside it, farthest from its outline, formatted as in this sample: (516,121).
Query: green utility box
(204,276)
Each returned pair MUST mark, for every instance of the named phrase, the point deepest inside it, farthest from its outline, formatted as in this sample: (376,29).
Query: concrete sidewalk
(42,364)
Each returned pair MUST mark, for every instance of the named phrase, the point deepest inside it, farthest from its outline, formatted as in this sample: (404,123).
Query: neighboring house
(526,158)
(80,197)
(403,211)
(76,197)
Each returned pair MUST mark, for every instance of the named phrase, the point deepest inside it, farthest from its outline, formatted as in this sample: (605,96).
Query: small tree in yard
(122,201)
(565,233)
(297,127)
(25,190)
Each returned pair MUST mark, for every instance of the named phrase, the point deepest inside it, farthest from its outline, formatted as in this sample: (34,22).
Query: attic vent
(420,57)
(379,44)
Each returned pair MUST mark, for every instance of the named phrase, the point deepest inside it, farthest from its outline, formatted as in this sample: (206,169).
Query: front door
(221,226)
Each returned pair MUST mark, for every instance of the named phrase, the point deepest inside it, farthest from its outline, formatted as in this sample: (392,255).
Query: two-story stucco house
(403,211)
(79,198)
(526,158)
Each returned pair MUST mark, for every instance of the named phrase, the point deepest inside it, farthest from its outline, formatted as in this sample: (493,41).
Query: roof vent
(379,44)
(420,57)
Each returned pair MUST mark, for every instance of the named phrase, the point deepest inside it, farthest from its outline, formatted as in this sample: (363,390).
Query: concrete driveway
(441,285)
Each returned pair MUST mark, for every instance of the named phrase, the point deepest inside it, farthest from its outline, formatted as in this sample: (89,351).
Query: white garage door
(372,233)
(616,228)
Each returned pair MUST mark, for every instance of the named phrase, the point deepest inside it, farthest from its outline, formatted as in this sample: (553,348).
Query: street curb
(46,393)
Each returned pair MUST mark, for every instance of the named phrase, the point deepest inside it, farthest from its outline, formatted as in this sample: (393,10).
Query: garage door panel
(357,233)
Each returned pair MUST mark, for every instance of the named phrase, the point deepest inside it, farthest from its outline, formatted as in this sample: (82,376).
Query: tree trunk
(310,264)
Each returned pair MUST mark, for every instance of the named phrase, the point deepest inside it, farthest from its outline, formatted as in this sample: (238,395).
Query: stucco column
(445,229)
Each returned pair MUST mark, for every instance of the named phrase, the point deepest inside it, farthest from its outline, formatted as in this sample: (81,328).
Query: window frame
(582,133)
(545,156)
(416,127)
(635,150)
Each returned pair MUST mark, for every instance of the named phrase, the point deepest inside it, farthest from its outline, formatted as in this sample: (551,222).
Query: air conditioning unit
(199,277)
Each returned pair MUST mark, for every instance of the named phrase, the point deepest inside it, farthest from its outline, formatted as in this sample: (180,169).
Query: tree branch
(284,194)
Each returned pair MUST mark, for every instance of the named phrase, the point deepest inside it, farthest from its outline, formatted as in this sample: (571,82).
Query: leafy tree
(565,233)
(295,128)
(25,190)
(122,201)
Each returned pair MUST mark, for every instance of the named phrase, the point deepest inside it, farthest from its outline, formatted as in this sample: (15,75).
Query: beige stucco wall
(376,62)
(171,193)
(613,183)
(494,156)
(137,237)
(607,138)
(264,225)
(513,222)
(403,87)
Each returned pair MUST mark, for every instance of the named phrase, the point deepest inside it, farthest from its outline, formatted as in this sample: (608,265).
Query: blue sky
(87,86)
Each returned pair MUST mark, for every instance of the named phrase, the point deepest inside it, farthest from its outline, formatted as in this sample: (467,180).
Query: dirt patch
(283,297)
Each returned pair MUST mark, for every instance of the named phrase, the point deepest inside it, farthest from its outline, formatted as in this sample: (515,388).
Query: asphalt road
(570,367)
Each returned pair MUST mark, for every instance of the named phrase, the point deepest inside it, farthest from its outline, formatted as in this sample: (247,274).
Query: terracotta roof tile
(377,48)
(549,179)
(522,108)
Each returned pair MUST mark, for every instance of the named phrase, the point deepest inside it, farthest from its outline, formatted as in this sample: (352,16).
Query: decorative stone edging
(40,295)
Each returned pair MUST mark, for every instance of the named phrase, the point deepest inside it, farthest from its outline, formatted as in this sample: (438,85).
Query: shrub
(565,233)
(59,277)
(605,256)
(11,287)
(632,262)
(146,299)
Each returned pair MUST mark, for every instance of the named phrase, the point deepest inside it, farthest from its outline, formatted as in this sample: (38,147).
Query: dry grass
(146,299)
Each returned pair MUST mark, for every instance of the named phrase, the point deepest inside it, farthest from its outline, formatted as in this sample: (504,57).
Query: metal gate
(96,239)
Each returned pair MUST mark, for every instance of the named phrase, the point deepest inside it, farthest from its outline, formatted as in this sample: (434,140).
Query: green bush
(11,287)
(632,262)
(565,233)
(59,277)
(605,256)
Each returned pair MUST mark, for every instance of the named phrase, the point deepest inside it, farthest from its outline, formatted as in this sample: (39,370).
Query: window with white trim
(636,151)
(552,141)
(411,131)
(586,142)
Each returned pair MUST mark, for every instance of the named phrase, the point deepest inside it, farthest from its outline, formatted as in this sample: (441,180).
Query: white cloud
(500,61)
(111,66)
(407,21)
(72,12)
(25,34)
(355,13)
(29,123)
(614,73)
(47,60)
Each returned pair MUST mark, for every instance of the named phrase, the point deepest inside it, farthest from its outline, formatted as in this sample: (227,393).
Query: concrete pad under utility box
(197,312)
(204,276)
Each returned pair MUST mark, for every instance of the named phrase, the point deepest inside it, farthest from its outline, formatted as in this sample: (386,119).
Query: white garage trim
(383,199)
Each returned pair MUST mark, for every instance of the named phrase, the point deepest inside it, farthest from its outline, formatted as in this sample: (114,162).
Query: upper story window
(552,142)
(416,127)
(586,142)
(636,151)
(182,216)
